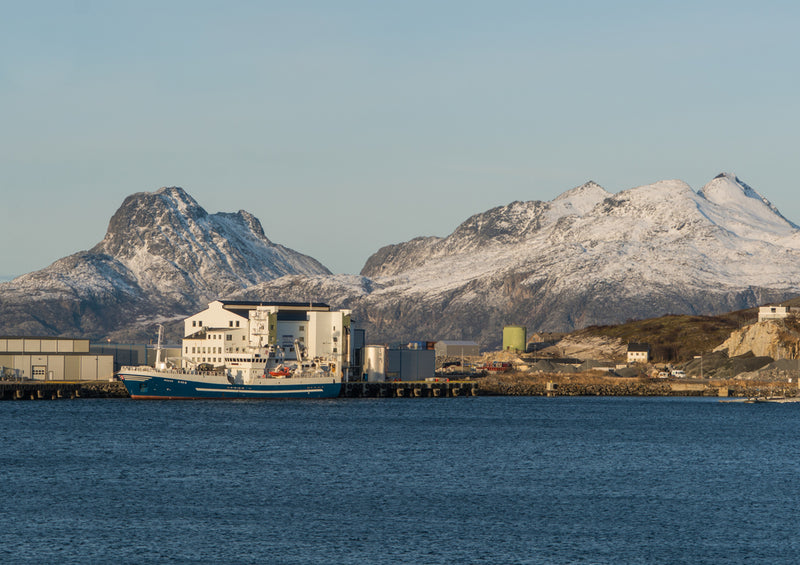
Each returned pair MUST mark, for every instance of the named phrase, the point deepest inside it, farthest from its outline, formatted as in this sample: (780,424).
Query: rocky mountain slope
(779,339)
(588,257)
(163,257)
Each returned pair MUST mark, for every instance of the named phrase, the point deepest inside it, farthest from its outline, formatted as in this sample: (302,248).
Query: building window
(194,323)
(229,337)
(230,323)
(237,323)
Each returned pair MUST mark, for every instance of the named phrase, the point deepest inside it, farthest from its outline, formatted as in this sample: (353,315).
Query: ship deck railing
(169,371)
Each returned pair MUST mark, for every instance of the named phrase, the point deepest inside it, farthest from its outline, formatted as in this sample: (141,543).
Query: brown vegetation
(675,338)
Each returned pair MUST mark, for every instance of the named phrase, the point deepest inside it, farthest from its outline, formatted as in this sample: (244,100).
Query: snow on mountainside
(659,232)
(742,210)
(586,257)
(163,256)
(496,229)
(171,245)
(592,257)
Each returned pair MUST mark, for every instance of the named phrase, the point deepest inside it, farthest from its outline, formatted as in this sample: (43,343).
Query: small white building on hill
(775,312)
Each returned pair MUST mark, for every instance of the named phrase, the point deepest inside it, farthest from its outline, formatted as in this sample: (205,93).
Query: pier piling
(401,389)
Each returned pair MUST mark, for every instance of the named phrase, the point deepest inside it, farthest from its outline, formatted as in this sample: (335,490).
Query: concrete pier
(54,390)
(410,389)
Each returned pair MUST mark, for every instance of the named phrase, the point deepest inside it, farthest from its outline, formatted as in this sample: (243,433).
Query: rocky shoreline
(558,385)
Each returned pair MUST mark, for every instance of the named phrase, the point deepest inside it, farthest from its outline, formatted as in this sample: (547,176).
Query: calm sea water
(385,481)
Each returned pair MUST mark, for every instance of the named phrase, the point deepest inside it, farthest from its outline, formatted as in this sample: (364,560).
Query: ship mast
(158,346)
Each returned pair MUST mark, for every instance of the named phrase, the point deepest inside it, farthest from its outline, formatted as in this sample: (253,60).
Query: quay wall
(54,390)
(511,386)
(410,389)
(489,386)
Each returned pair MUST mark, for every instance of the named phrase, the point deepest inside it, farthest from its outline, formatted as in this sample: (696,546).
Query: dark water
(464,480)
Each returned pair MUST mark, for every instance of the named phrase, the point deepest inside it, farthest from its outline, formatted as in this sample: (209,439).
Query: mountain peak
(146,213)
(726,187)
(579,200)
(589,188)
(729,192)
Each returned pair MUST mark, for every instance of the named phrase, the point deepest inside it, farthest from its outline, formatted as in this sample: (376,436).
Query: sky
(346,126)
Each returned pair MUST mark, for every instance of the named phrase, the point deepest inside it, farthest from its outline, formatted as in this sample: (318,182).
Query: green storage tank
(515,338)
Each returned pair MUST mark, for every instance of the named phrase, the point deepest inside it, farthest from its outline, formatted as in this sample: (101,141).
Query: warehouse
(52,359)
(134,354)
(446,348)
(382,363)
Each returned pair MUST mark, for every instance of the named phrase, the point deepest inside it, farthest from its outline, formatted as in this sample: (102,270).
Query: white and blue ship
(150,383)
(258,373)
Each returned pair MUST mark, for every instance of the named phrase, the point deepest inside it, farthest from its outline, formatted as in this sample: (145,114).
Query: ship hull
(152,385)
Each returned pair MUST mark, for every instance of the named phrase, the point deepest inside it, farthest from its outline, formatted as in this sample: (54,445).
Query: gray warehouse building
(52,359)
(447,348)
(410,364)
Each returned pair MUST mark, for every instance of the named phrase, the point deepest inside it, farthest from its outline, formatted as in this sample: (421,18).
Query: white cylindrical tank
(375,363)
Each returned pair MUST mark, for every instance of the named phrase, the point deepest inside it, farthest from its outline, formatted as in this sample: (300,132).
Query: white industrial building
(228,327)
(52,359)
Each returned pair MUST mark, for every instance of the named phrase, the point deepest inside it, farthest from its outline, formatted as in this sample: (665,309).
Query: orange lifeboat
(281,372)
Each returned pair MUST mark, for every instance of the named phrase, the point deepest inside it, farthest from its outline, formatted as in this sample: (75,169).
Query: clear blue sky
(344,126)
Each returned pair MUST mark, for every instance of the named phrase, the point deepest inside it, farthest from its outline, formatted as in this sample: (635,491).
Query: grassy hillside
(677,338)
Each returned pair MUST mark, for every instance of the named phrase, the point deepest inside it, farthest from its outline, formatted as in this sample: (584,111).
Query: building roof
(42,337)
(453,342)
(639,347)
(254,303)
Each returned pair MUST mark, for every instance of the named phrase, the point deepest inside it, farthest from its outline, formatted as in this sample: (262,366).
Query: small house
(638,353)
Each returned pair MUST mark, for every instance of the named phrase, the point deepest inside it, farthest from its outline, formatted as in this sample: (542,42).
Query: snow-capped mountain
(163,256)
(587,257)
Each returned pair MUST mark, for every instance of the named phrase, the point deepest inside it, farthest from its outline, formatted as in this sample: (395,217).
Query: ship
(258,372)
